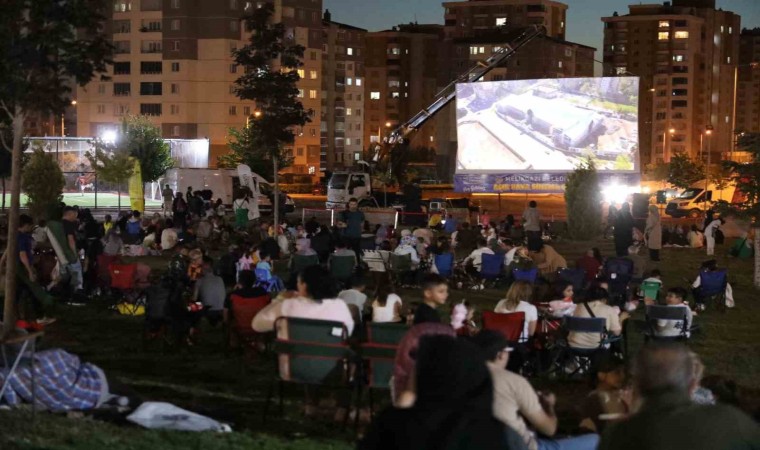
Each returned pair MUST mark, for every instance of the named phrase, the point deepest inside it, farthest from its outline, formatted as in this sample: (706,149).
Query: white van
(223,183)
(694,201)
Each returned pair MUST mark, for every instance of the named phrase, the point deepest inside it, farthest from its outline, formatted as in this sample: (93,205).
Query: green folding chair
(310,352)
(342,267)
(651,290)
(400,265)
(379,352)
(300,262)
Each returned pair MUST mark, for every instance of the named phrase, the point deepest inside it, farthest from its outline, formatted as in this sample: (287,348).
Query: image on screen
(548,125)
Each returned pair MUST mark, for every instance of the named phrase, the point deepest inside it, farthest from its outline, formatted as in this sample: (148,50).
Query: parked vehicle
(695,200)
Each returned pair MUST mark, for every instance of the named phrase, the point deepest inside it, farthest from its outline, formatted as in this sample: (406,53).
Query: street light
(708,133)
(63,125)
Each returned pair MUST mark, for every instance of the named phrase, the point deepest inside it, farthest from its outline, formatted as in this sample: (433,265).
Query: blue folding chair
(712,288)
(619,271)
(576,277)
(529,275)
(445,264)
(266,280)
(491,267)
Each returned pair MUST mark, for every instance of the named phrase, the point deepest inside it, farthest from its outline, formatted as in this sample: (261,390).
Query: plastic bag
(165,416)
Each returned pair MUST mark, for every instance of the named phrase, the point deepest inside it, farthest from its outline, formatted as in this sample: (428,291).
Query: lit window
(395,95)
(722,29)
(663,35)
(730,30)
(728,60)
(559,64)
(681,35)
(374,95)
(678,58)
(374,139)
(349,81)
(358,83)
(664,24)
(348,111)
(481,50)
(348,141)
(300,93)
(301,74)
(312,94)
(349,51)
(313,74)
(621,70)
(501,21)
(473,50)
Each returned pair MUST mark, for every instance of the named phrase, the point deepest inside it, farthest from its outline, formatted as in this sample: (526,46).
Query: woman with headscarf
(623,230)
(452,395)
(407,247)
(653,233)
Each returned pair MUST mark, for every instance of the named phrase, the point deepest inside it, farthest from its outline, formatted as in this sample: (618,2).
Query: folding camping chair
(301,262)
(128,300)
(310,353)
(656,313)
(491,267)
(342,268)
(650,290)
(584,357)
(379,353)
(511,325)
(444,263)
(243,310)
(712,288)
(401,266)
(576,277)
(529,275)
(272,283)
(619,272)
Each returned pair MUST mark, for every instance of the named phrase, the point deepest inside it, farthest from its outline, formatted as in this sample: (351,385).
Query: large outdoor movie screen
(548,125)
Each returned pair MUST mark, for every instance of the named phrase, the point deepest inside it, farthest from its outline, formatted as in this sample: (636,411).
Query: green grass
(105,200)
(209,380)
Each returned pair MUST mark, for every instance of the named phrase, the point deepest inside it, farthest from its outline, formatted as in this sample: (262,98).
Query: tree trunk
(11,263)
(276,200)
(3,194)
(757,258)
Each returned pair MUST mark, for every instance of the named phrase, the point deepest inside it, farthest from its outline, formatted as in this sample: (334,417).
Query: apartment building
(748,82)
(343,82)
(402,67)
(685,53)
(476,29)
(173,62)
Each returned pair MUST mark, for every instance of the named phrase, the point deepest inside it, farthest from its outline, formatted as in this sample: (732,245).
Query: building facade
(343,82)
(173,62)
(748,82)
(686,53)
(401,67)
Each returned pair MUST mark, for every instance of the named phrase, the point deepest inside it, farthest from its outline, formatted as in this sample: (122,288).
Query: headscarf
(405,354)
(304,247)
(408,240)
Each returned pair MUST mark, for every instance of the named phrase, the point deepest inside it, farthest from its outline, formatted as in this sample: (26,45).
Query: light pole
(708,133)
(63,115)
(665,150)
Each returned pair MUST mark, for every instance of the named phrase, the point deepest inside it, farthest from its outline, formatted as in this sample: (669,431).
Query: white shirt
(510,256)
(387,313)
(532,219)
(304,308)
(710,229)
(531,315)
(672,328)
(353,297)
(477,256)
(168,239)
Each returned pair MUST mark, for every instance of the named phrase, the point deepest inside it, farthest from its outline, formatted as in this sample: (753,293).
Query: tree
(112,163)
(656,172)
(270,80)
(142,140)
(745,175)
(43,183)
(683,171)
(583,202)
(45,46)
(244,151)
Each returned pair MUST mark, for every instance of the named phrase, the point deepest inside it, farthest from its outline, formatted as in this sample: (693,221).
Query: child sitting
(435,292)
(264,274)
(674,328)
(609,401)
(564,306)
(195,268)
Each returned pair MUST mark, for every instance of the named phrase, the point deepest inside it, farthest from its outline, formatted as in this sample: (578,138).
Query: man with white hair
(664,378)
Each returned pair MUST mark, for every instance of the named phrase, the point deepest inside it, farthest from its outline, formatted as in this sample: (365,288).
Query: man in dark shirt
(70,227)
(351,222)
(435,291)
(664,379)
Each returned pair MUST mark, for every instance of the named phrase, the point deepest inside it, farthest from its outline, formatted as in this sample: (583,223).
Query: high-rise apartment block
(402,66)
(685,53)
(748,82)
(173,62)
(343,82)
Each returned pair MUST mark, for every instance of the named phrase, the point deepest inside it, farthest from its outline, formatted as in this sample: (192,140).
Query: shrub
(583,200)
(42,182)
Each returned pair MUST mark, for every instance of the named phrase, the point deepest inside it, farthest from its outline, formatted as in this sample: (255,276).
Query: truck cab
(695,200)
(346,185)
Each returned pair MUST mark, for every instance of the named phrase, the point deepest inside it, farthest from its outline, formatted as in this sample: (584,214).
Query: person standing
(179,211)
(351,221)
(710,231)
(532,225)
(241,208)
(623,233)
(168,196)
(653,233)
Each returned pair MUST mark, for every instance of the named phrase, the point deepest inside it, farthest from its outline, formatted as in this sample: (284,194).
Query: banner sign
(529,183)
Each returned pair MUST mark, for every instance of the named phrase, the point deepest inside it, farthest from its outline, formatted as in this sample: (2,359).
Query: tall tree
(42,182)
(746,176)
(112,163)
(270,80)
(44,46)
(244,151)
(583,202)
(684,171)
(142,140)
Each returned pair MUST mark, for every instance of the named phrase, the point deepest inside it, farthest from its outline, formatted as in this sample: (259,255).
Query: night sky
(584,25)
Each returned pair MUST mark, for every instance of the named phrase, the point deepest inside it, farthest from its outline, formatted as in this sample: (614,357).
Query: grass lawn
(209,380)
(105,200)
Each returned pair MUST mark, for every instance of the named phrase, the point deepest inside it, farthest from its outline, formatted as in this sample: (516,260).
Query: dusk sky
(584,25)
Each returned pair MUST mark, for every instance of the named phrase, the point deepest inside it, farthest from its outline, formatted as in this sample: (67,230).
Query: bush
(42,181)
(583,200)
